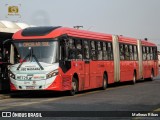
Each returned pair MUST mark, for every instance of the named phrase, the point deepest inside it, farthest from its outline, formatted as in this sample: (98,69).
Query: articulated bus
(67,59)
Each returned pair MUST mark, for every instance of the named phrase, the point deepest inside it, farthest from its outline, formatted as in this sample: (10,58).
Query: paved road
(144,96)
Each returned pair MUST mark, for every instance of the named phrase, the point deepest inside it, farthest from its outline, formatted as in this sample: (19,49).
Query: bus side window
(131,52)
(86,50)
(79,49)
(126,52)
(151,53)
(72,49)
(144,52)
(105,56)
(121,47)
(99,50)
(148,53)
(155,53)
(110,51)
(93,50)
(135,53)
(64,44)
(143,55)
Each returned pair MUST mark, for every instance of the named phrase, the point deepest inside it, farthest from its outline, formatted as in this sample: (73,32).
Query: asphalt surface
(118,100)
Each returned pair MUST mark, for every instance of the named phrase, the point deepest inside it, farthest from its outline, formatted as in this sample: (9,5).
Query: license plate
(27,77)
(30,87)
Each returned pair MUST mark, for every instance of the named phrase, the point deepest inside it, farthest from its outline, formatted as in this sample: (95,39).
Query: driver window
(86,50)
(93,50)
(79,48)
(72,49)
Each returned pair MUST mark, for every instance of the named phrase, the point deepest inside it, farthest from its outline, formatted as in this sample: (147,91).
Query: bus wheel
(74,88)
(134,79)
(104,85)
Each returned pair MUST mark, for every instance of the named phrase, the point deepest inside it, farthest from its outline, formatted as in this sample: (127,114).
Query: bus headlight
(11,75)
(52,73)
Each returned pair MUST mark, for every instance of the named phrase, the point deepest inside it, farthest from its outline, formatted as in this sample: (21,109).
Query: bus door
(93,65)
(155,58)
(86,64)
(145,63)
(72,57)
(79,61)
(86,74)
(148,64)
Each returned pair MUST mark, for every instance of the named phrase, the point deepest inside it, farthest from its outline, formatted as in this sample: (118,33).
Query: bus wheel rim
(104,82)
(74,86)
(152,76)
(134,79)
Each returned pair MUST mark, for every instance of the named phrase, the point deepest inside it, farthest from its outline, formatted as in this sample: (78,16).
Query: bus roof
(146,43)
(44,32)
(127,40)
(53,32)
(134,41)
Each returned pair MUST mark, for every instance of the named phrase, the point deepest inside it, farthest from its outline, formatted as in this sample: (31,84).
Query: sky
(132,18)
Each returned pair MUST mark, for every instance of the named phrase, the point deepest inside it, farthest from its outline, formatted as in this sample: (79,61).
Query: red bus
(66,59)
(158,59)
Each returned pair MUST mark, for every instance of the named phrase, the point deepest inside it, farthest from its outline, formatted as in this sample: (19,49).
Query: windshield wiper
(31,55)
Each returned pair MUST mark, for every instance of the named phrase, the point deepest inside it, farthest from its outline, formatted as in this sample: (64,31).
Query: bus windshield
(43,51)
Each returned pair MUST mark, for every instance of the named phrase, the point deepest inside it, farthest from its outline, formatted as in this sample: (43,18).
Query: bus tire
(134,78)
(105,82)
(74,88)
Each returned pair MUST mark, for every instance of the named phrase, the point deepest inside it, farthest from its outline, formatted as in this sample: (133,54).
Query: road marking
(30,103)
(53,99)
(108,89)
(17,105)
(10,99)
(157,110)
